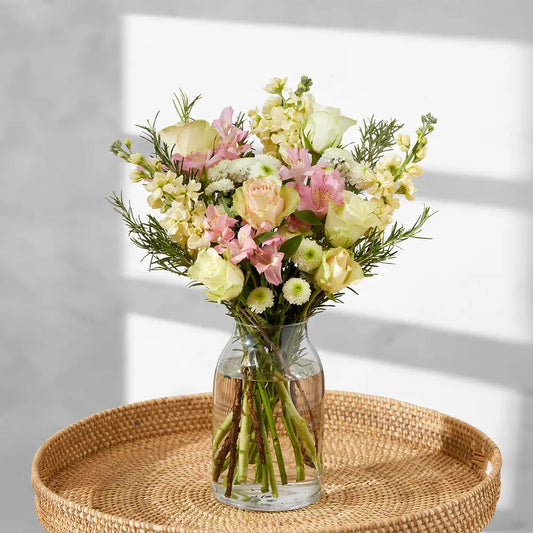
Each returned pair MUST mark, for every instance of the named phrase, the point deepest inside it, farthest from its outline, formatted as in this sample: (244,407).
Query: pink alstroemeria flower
(244,246)
(218,227)
(229,134)
(299,165)
(231,137)
(266,258)
(322,189)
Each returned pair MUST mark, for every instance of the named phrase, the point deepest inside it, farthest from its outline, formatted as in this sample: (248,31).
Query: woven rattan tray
(389,466)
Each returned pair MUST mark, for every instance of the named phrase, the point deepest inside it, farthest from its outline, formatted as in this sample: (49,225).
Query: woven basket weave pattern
(389,467)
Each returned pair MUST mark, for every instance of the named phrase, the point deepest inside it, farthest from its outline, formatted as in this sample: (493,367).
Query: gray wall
(62,298)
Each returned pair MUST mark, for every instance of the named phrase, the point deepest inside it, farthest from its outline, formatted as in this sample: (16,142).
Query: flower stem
(300,469)
(222,431)
(268,474)
(233,435)
(258,470)
(244,438)
(298,421)
(275,438)
(221,463)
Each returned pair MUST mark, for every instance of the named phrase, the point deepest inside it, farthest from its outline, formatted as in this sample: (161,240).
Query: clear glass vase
(268,419)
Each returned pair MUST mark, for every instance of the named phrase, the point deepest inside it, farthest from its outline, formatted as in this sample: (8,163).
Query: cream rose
(338,270)
(190,137)
(325,128)
(348,222)
(223,280)
(265,199)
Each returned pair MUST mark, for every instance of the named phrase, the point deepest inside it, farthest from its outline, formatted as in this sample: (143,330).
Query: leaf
(308,217)
(262,237)
(227,209)
(290,246)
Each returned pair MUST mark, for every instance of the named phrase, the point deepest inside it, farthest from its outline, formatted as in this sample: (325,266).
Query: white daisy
(260,299)
(296,291)
(264,165)
(308,256)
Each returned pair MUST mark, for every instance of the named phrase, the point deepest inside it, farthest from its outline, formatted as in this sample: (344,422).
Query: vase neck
(270,330)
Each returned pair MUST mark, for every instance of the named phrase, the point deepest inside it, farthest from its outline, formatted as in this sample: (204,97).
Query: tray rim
(43,491)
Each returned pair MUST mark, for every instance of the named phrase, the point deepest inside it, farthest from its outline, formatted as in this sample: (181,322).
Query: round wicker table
(388,467)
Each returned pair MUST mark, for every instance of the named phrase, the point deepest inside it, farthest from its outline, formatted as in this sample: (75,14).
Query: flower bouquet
(275,220)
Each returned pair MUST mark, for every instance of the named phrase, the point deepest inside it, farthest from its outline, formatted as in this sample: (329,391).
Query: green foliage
(264,236)
(239,120)
(164,254)
(309,217)
(377,137)
(376,248)
(162,151)
(290,246)
(183,107)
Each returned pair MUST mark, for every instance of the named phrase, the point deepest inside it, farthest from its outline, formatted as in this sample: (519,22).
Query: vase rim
(289,324)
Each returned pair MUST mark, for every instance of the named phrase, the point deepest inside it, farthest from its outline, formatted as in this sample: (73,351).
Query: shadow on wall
(62,352)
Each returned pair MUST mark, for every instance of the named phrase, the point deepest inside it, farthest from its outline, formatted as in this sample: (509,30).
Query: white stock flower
(406,186)
(415,170)
(296,291)
(275,85)
(260,299)
(137,175)
(389,162)
(404,141)
(421,153)
(136,159)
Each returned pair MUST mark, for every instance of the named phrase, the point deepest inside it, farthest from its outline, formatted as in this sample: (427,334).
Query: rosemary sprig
(376,248)
(162,151)
(377,137)
(163,253)
(182,105)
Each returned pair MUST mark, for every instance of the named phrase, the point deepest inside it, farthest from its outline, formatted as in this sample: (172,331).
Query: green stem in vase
(273,431)
(300,469)
(233,435)
(268,474)
(258,469)
(244,438)
(299,423)
(222,431)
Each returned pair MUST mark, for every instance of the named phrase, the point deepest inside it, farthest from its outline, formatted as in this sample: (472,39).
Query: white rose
(337,270)
(223,280)
(348,222)
(190,137)
(325,128)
